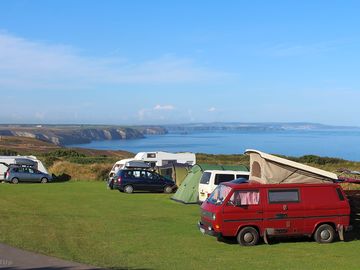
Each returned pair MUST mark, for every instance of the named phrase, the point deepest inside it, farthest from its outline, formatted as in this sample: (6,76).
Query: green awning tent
(188,190)
(174,171)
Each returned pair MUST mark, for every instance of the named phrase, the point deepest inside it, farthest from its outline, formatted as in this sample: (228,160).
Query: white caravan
(156,159)
(164,158)
(20,160)
(210,179)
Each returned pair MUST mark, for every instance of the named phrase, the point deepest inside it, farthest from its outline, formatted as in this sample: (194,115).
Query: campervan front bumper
(204,229)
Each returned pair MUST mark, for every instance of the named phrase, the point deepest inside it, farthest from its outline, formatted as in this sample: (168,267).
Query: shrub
(65,153)
(8,152)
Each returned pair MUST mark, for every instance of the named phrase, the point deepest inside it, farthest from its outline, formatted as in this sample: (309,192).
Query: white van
(210,179)
(30,161)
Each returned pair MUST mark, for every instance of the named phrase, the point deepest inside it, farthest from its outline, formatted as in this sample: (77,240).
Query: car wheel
(15,180)
(248,236)
(44,180)
(324,234)
(128,189)
(168,189)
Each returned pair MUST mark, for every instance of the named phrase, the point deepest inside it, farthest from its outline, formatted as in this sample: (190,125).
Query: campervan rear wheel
(15,180)
(324,234)
(248,236)
(128,189)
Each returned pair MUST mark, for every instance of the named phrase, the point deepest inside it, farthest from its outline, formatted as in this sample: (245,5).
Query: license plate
(202,230)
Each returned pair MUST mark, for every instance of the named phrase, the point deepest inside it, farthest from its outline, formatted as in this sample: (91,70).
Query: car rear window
(205,178)
(285,195)
(220,178)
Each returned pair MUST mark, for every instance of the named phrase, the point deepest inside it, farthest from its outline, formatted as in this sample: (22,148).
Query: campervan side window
(281,196)
(219,178)
(245,197)
(151,155)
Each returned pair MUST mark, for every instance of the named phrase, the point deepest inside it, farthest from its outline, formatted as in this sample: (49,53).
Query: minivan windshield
(218,196)
(205,178)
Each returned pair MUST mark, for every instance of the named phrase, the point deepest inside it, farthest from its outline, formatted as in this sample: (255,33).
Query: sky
(160,62)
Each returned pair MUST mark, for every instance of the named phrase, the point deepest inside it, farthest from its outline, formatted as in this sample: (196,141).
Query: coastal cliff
(66,135)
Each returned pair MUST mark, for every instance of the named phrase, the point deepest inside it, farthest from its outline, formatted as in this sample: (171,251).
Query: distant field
(85,222)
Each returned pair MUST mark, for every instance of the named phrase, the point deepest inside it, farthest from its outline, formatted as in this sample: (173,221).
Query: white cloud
(25,64)
(283,50)
(212,109)
(164,107)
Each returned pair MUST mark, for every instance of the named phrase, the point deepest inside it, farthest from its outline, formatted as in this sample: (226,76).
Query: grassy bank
(85,222)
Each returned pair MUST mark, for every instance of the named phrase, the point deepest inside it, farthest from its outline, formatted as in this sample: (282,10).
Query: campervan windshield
(218,196)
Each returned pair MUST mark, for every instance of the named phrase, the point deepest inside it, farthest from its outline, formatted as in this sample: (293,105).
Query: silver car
(18,174)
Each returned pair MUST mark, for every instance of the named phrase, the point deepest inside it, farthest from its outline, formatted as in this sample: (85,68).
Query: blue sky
(155,62)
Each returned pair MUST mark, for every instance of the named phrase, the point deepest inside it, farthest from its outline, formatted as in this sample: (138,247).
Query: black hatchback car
(130,180)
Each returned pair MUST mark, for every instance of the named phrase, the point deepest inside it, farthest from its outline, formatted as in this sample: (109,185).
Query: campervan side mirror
(231,203)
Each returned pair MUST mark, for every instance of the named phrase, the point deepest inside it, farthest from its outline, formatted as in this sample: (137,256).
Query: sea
(341,143)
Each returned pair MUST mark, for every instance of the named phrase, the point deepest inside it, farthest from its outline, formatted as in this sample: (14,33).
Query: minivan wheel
(15,180)
(128,189)
(168,189)
(324,234)
(248,236)
(44,180)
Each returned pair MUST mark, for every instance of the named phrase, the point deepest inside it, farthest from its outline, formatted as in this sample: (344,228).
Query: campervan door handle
(281,215)
(260,212)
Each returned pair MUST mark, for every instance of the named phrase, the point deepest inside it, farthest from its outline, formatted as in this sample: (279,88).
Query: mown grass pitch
(85,222)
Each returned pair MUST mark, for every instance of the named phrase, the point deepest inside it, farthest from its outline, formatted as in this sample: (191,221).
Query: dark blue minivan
(130,180)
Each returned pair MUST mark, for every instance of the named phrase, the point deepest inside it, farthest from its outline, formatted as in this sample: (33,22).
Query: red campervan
(250,211)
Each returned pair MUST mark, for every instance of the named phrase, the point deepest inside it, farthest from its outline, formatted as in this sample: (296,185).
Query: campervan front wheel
(248,236)
(324,234)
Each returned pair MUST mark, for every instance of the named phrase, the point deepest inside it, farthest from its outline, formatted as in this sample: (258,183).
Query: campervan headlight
(213,216)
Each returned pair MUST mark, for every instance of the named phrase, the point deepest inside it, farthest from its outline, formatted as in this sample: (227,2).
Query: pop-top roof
(266,168)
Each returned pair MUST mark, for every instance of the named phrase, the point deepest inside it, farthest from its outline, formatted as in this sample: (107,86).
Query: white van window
(245,197)
(242,176)
(151,155)
(219,178)
(281,196)
(205,178)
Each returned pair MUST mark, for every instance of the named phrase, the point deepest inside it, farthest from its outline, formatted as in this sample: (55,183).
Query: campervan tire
(248,236)
(168,189)
(325,233)
(15,180)
(44,180)
(128,189)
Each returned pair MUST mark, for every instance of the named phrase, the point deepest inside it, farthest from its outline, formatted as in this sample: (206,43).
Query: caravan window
(151,155)
(219,178)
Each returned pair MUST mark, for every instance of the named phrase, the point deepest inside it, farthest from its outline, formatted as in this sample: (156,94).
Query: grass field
(85,222)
